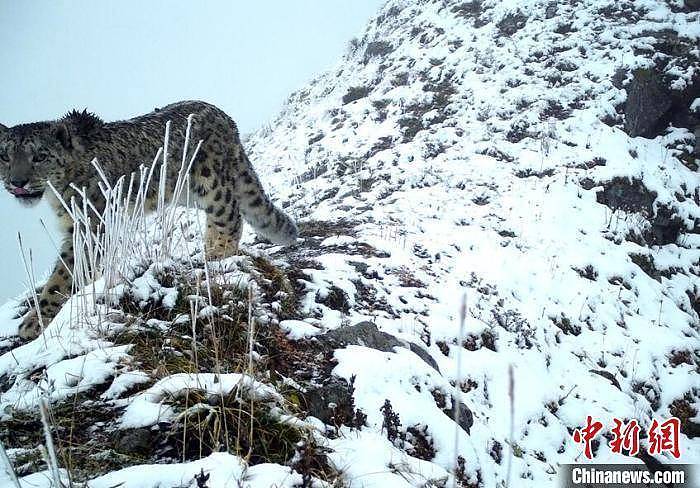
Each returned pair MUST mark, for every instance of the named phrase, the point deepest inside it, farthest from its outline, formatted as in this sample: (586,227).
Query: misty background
(122,59)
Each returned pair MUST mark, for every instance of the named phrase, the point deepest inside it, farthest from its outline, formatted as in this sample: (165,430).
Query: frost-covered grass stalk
(458,382)
(108,243)
(251,329)
(7,466)
(167,214)
(29,270)
(51,458)
(251,344)
(511,403)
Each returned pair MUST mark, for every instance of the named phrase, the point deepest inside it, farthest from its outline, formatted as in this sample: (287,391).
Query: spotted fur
(222,177)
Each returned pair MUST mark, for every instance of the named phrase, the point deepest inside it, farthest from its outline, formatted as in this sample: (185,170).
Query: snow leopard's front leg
(54,293)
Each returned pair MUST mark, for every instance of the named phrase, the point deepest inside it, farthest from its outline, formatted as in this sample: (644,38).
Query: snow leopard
(222,179)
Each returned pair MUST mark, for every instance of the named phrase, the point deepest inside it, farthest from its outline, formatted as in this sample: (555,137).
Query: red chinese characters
(625,436)
(662,436)
(587,434)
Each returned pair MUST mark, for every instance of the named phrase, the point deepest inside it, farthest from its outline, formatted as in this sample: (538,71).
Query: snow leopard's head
(32,154)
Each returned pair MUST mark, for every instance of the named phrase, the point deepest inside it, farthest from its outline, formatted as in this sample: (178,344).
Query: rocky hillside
(500,214)
(539,158)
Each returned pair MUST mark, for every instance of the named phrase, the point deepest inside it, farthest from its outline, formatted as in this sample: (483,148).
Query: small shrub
(355,93)
(391,423)
(377,48)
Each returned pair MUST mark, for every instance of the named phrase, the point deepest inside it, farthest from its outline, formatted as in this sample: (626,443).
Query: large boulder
(661,94)
(648,104)
(367,334)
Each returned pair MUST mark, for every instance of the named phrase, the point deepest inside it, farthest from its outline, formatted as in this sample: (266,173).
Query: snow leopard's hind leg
(224,226)
(216,197)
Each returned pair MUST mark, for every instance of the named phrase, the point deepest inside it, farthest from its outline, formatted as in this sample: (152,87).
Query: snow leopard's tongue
(20,192)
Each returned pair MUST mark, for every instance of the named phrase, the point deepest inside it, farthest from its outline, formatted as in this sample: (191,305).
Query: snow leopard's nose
(19,182)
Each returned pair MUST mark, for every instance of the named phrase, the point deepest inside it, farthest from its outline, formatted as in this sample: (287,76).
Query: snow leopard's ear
(64,136)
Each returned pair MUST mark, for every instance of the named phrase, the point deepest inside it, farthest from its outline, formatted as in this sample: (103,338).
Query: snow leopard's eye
(38,158)
(4,156)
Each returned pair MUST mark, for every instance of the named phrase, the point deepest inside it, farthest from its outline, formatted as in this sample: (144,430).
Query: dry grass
(208,423)
(220,344)
(87,437)
(81,447)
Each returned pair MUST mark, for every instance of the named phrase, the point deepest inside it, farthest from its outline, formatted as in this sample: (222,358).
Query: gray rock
(647,105)
(367,334)
(362,334)
(465,419)
(355,93)
(631,195)
(133,441)
(627,194)
(424,355)
(331,402)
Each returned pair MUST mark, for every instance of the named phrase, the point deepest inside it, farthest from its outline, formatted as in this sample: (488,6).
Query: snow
(369,460)
(8,322)
(463,173)
(298,329)
(379,375)
(72,357)
(337,241)
(148,287)
(37,480)
(124,382)
(224,470)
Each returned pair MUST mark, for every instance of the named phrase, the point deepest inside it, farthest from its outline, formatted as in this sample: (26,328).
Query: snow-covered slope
(486,153)
(483,146)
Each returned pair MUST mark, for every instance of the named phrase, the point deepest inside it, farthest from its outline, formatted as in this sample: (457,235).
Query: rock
(367,334)
(648,103)
(465,419)
(331,402)
(355,93)
(632,196)
(134,441)
(587,183)
(628,195)
(362,334)
(656,96)
(424,355)
(692,429)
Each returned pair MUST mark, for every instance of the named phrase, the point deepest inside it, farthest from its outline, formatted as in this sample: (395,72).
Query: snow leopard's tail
(266,218)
